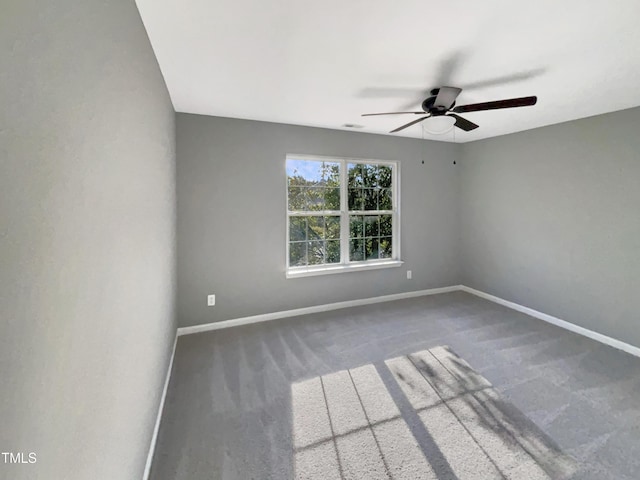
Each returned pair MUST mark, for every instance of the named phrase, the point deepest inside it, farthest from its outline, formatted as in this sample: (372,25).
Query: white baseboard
(315,309)
(620,345)
(612,342)
(154,437)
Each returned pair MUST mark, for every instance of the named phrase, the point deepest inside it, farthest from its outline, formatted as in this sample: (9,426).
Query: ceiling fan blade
(391,113)
(463,123)
(409,124)
(510,103)
(446,97)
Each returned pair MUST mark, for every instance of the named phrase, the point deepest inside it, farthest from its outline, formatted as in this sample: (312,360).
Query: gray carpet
(245,402)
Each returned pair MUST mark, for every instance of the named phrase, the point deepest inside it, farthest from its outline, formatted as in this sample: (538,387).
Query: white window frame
(345,264)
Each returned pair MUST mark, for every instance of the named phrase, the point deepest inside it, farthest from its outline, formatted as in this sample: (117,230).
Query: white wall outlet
(409,275)
(211,300)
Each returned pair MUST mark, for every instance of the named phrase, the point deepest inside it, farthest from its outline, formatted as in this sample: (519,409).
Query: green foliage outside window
(314,186)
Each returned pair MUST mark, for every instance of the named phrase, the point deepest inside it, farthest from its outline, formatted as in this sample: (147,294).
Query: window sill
(357,267)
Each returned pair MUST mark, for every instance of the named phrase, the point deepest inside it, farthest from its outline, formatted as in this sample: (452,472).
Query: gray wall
(87,231)
(550,219)
(232,213)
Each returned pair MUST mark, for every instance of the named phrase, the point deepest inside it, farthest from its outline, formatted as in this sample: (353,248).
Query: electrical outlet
(409,274)
(211,300)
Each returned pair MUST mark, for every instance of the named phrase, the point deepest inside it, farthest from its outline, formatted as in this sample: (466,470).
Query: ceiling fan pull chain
(454,141)
(423,147)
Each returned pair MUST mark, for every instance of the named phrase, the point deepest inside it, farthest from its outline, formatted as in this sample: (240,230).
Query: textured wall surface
(87,238)
(232,214)
(550,219)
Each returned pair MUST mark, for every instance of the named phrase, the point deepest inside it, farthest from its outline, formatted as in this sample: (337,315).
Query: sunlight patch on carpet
(426,415)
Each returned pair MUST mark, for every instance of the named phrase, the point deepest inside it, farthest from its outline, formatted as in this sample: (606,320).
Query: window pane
(371,226)
(304,172)
(371,248)
(315,230)
(332,227)
(297,254)
(356,250)
(385,200)
(297,199)
(312,185)
(333,251)
(297,228)
(356,228)
(315,255)
(356,199)
(332,199)
(384,176)
(386,225)
(386,247)
(315,198)
(316,250)
(371,199)
(355,178)
(369,173)
(331,174)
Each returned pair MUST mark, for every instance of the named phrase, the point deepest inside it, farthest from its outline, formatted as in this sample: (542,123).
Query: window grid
(373,244)
(315,238)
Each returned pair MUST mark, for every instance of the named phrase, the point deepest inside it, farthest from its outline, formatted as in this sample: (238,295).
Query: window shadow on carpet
(427,415)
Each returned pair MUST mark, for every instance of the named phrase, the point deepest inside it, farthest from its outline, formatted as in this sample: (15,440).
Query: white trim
(156,429)
(612,342)
(297,272)
(396,230)
(338,158)
(315,309)
(344,217)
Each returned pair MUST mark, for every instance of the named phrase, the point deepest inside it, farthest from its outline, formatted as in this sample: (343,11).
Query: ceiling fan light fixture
(439,124)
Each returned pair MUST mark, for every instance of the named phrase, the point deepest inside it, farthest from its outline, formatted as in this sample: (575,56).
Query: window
(342,214)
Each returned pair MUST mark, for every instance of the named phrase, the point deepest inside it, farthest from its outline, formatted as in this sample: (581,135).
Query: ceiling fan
(443,101)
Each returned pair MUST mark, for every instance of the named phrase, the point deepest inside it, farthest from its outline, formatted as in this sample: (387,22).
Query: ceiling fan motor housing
(427,105)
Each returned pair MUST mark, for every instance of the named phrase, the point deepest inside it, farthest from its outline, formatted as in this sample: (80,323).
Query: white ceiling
(323,63)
